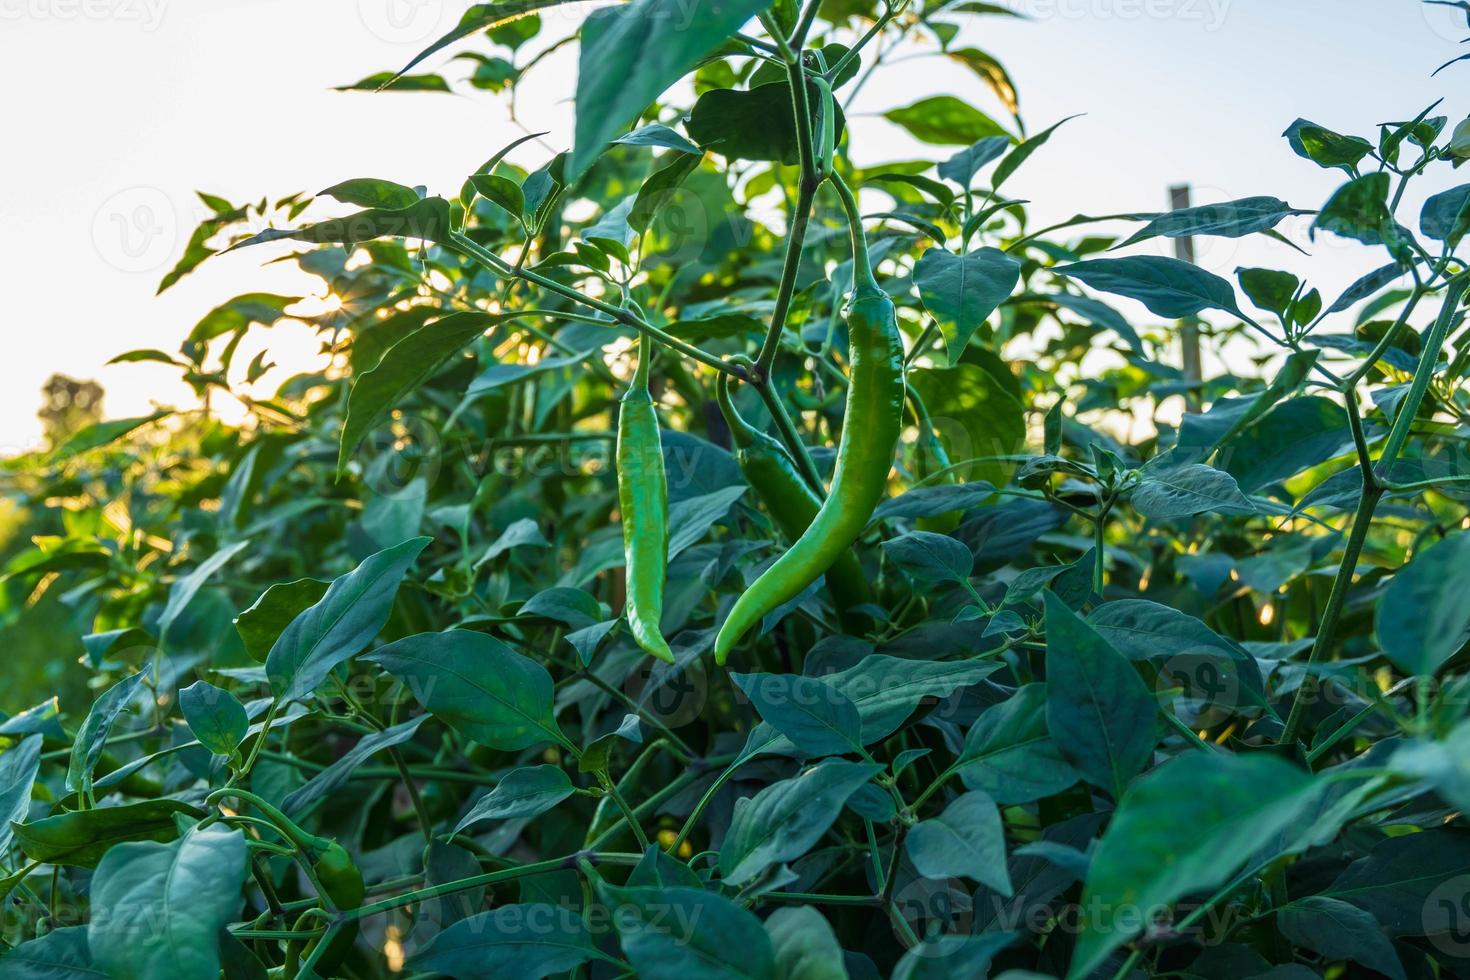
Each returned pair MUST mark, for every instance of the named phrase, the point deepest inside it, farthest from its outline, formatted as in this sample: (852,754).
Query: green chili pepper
(769,468)
(643,501)
(826,128)
(870,430)
(331,865)
(343,884)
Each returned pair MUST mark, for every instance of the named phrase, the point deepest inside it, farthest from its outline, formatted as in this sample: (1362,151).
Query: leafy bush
(375,682)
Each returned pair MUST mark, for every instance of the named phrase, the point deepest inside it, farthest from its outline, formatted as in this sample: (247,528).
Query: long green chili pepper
(332,866)
(643,501)
(826,131)
(769,468)
(870,430)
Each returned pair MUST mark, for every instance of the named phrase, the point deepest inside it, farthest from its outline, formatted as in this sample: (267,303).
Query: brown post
(1179,198)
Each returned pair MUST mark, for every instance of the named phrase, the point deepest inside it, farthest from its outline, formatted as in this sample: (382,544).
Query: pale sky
(115,111)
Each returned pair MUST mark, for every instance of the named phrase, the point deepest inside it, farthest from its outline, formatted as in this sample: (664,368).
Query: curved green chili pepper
(643,502)
(870,430)
(341,881)
(769,468)
(826,132)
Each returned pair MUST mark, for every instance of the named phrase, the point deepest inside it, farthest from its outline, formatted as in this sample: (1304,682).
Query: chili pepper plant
(702,556)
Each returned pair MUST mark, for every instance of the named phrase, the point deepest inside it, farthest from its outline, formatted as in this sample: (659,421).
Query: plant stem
(628,814)
(491,878)
(862,266)
(474,250)
(1373,489)
(795,242)
(791,438)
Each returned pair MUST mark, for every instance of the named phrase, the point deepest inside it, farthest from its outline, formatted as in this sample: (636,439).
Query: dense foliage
(376,683)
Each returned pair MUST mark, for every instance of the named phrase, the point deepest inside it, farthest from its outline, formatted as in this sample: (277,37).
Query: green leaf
(1339,931)
(261,624)
(369,192)
(887,689)
(961,291)
(944,119)
(1269,289)
(403,368)
(657,134)
(931,501)
(526,792)
(1398,880)
(1168,492)
(977,420)
(661,189)
(818,719)
(91,737)
(992,73)
(1098,709)
(753,124)
(805,946)
(691,518)
(1422,618)
(100,434)
(61,954)
(1100,315)
(1444,764)
(1187,653)
(688,934)
(18,768)
(215,716)
(519,534)
(428,220)
(786,819)
(477,685)
(1009,754)
(1022,153)
(482,17)
(530,941)
(167,904)
(1446,216)
(1183,828)
(81,837)
(1231,219)
(186,588)
(347,617)
(378,81)
(964,165)
(563,604)
(948,957)
(1168,287)
(322,785)
(967,840)
(631,53)
(658,868)
(1297,434)
(1359,210)
(1367,286)
(930,557)
(1326,148)
(502,191)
